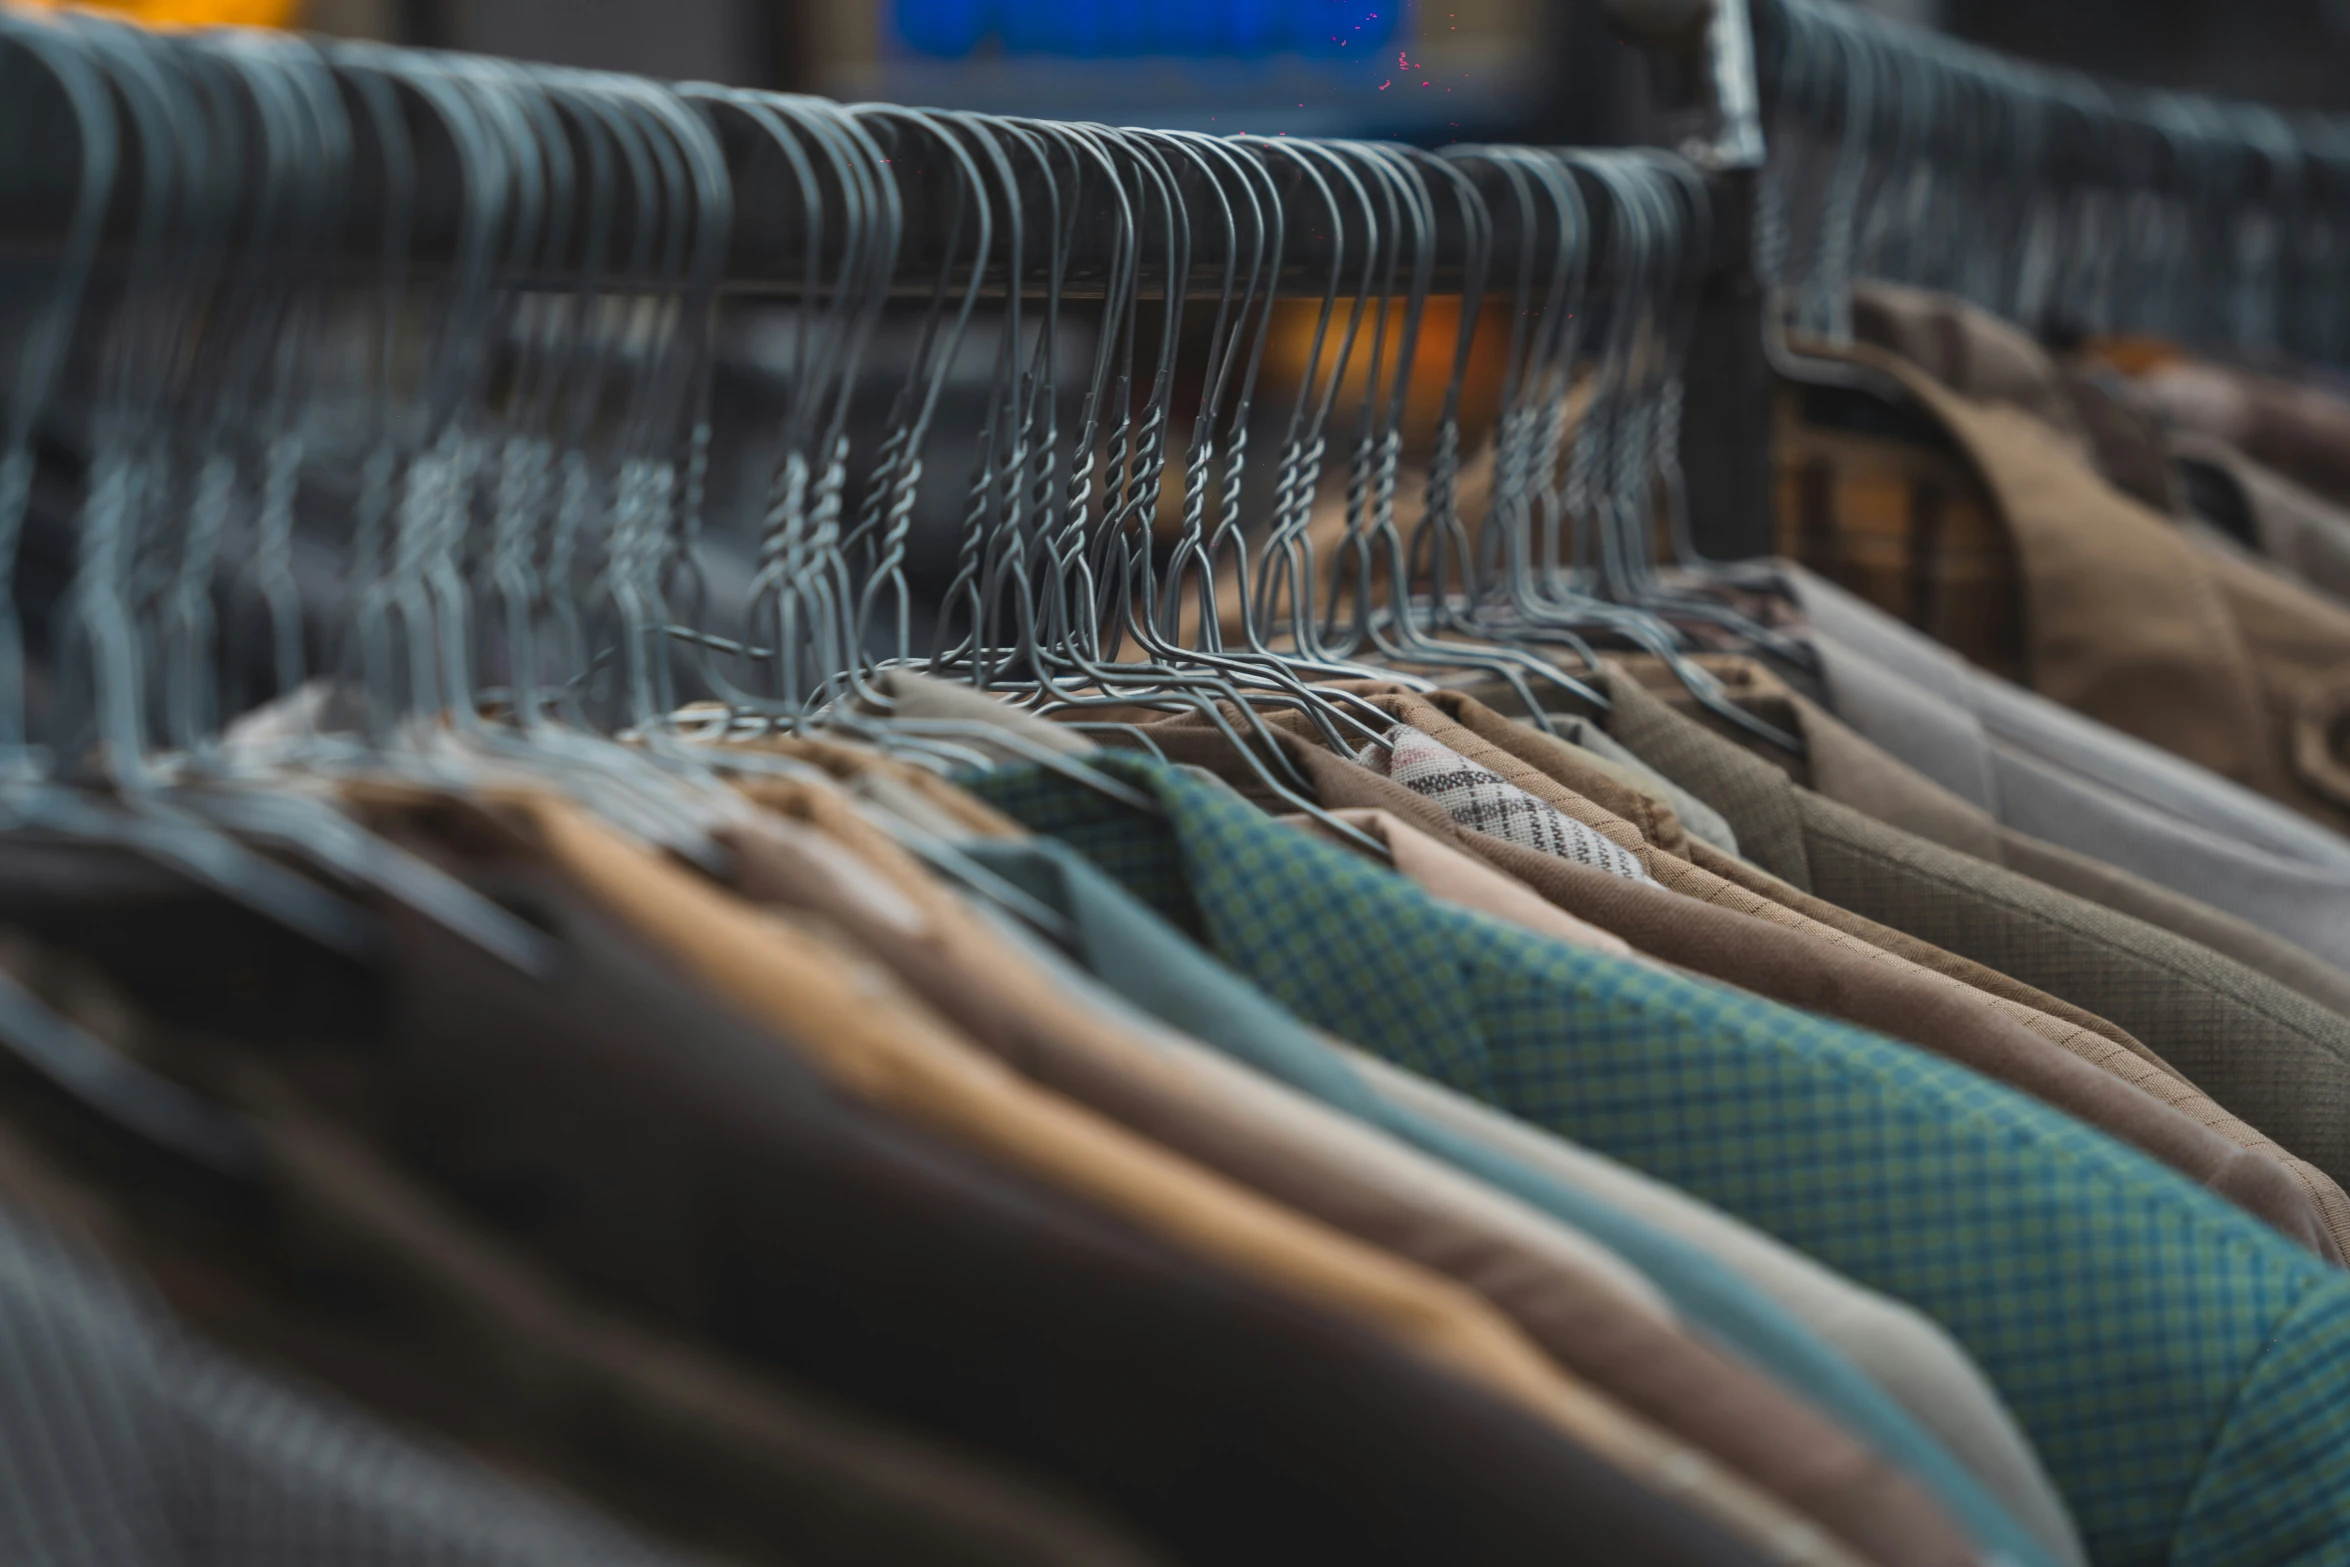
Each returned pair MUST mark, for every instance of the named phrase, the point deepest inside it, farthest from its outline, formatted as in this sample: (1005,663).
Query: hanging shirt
(2181,1370)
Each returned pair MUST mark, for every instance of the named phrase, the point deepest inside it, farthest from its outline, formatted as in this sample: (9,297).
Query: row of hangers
(2050,197)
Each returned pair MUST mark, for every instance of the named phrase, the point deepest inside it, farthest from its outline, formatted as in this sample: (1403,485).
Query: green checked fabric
(2184,1373)
(1153,966)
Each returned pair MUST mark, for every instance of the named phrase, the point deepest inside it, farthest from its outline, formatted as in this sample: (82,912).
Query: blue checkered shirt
(2184,1372)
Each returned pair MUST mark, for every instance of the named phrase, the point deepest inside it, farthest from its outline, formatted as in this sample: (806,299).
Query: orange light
(190,13)
(1290,343)
(2134,356)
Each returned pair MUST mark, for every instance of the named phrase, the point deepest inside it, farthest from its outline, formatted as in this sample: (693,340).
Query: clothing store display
(883,1046)
(1326,1166)
(738,829)
(1143,958)
(1702,1089)
(918,1326)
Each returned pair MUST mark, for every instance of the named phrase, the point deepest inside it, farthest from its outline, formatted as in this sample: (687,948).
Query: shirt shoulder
(2275,1489)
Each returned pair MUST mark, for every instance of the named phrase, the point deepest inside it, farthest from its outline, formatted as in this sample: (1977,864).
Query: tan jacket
(882,1044)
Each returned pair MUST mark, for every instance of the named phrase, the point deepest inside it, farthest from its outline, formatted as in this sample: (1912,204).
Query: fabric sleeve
(2275,1489)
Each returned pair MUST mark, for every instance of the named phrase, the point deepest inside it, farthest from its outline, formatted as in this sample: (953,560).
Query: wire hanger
(101,720)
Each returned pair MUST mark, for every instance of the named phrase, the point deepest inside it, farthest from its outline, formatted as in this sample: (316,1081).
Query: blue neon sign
(1114,29)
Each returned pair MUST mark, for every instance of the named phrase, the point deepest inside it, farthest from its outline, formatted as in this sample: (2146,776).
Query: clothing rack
(674,935)
(1712,93)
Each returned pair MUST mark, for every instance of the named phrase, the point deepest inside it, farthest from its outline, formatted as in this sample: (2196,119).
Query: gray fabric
(2055,775)
(1701,820)
(125,1443)
(2299,530)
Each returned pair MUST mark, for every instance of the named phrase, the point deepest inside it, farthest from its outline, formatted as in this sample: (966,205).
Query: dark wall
(2293,53)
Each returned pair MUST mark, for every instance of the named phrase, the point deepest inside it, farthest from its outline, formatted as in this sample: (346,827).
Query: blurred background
(1428,71)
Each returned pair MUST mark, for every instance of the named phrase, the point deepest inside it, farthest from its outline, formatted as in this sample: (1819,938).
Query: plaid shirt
(1484,801)
(1901,520)
(2184,1373)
